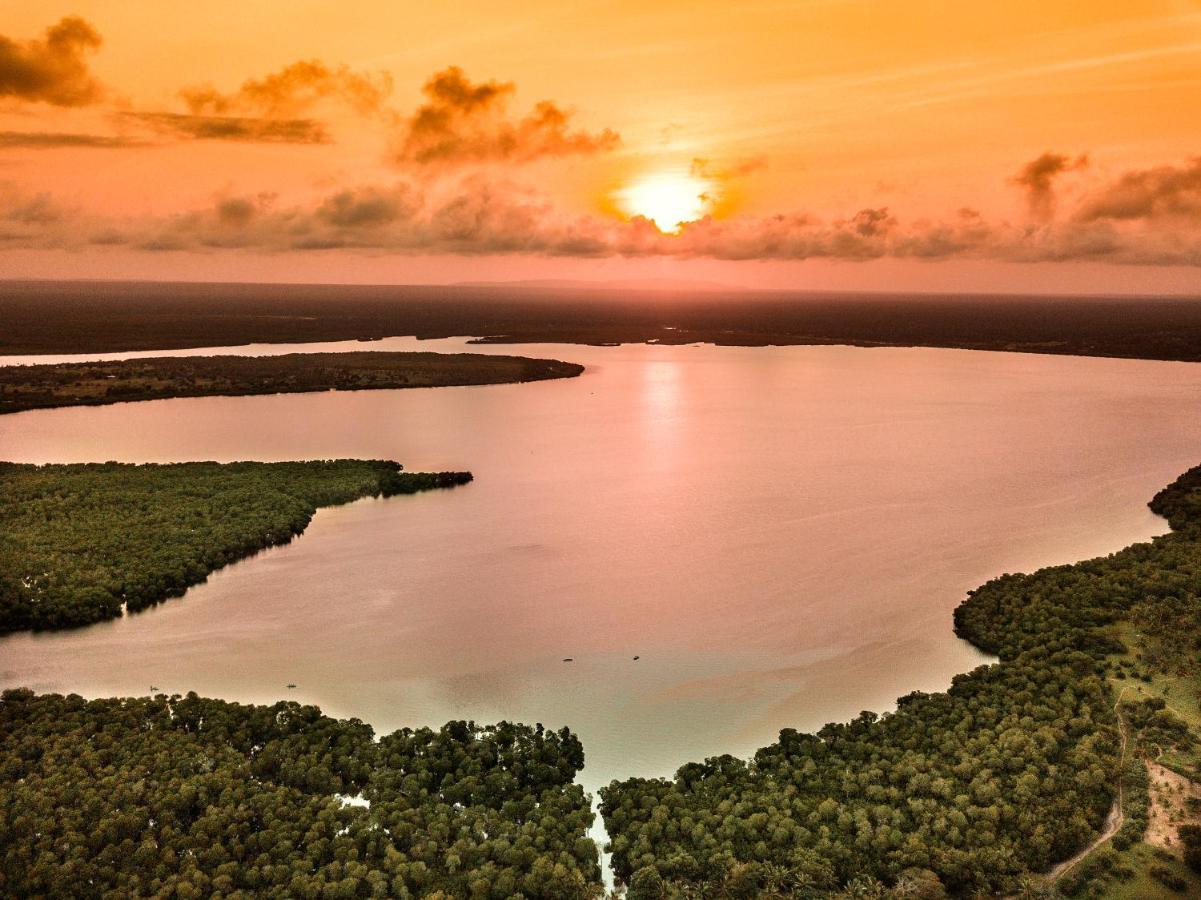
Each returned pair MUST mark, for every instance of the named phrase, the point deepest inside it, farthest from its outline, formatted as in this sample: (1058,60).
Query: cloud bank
(1141,217)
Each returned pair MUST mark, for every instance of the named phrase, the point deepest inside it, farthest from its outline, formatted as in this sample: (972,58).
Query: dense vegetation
(77,317)
(82,542)
(115,381)
(186,797)
(969,791)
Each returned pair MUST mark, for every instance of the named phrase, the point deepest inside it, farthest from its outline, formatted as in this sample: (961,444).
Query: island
(24,387)
(84,543)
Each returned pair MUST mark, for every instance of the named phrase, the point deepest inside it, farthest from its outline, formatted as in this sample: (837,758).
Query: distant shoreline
(105,317)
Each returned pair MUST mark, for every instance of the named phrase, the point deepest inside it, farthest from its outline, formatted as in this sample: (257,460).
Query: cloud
(234,128)
(29,219)
(53,139)
(369,207)
(52,70)
(728,170)
(1161,194)
(1156,222)
(465,122)
(28,209)
(1038,178)
(293,91)
(272,109)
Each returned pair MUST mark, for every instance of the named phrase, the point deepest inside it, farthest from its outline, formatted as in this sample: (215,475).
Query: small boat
(637,657)
(153,689)
(568,659)
(291,686)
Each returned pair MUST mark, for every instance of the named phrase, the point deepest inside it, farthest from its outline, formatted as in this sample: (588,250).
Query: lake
(779,534)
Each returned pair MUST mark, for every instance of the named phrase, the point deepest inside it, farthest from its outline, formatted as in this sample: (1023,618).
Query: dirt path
(1116,816)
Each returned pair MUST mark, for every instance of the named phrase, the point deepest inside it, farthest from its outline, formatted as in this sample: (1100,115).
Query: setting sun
(669,199)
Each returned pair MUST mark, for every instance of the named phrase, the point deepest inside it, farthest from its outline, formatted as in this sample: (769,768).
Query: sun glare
(669,199)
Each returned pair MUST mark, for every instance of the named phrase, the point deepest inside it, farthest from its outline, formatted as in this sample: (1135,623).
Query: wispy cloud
(233,128)
(293,91)
(51,139)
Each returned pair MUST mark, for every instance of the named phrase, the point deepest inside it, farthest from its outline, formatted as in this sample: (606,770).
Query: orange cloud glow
(1046,133)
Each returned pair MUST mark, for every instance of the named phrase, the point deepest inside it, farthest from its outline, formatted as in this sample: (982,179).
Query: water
(780,534)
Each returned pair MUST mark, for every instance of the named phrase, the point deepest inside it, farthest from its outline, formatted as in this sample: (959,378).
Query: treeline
(187,797)
(95,383)
(83,542)
(78,317)
(966,792)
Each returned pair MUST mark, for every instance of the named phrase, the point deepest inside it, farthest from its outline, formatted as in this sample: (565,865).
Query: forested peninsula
(971,791)
(42,386)
(84,542)
(184,797)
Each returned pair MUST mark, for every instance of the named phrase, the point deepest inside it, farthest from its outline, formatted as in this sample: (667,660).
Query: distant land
(668,285)
(105,316)
(119,381)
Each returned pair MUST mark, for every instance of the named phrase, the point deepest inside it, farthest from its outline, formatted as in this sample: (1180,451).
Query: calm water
(779,533)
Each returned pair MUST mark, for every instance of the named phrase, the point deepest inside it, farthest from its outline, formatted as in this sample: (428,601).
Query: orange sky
(835,144)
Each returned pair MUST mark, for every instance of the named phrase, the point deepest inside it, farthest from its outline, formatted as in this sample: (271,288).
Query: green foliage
(183,796)
(1009,771)
(1171,625)
(116,381)
(1156,728)
(1168,878)
(1190,840)
(83,541)
(1136,803)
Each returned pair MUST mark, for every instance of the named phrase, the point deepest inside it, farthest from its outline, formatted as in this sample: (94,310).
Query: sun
(669,199)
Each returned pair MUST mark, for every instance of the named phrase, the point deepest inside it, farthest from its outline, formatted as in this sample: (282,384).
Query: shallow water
(780,534)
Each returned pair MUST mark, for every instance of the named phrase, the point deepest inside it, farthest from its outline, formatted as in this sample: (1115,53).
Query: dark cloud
(368,207)
(234,128)
(1163,194)
(52,139)
(53,69)
(35,209)
(293,91)
(465,122)
(236,212)
(1038,178)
